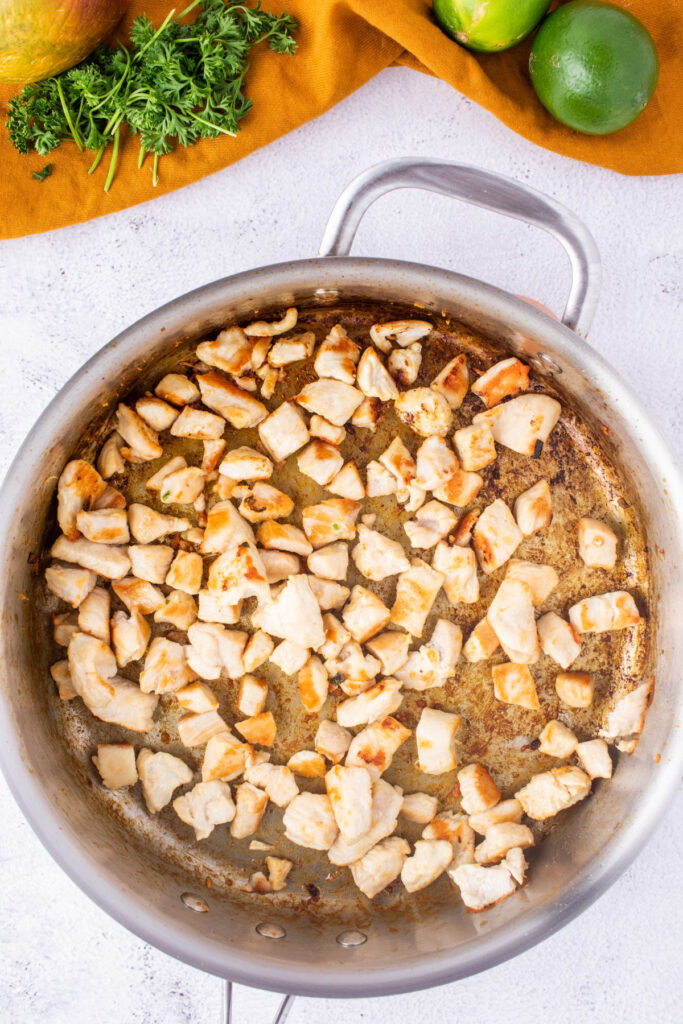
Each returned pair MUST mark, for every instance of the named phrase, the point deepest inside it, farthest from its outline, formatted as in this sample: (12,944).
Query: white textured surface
(63,295)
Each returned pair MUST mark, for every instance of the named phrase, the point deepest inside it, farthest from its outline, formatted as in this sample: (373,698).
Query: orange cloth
(342,44)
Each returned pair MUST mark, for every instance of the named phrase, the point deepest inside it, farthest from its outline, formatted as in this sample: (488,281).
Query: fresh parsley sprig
(172,85)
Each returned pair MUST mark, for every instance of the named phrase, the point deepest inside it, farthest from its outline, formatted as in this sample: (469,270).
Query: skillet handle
(279,1018)
(480,188)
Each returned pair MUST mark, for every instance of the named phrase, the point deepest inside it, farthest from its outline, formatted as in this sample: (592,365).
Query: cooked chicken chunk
(104,526)
(435,464)
(430,525)
(597,544)
(455,829)
(376,556)
(541,579)
(160,774)
(627,717)
(213,450)
(350,792)
(392,650)
(313,685)
(478,791)
(231,351)
(250,804)
(197,423)
(511,616)
(434,663)
(234,404)
(330,562)
(292,349)
(225,527)
(252,695)
(459,569)
(337,356)
(352,665)
(176,388)
(330,520)
(523,424)
(403,332)
(259,648)
(378,701)
(283,432)
(289,657)
(225,757)
(138,594)
(93,614)
(151,562)
(124,705)
(375,745)
(155,482)
(246,464)
(239,573)
(496,536)
(206,805)
(534,508)
(186,572)
(508,377)
(183,486)
(294,614)
(320,461)
(506,810)
(416,592)
(435,736)
(559,640)
(425,411)
(604,612)
(595,759)
(326,431)
(130,636)
(461,489)
(283,537)
(430,859)
(156,413)
(309,821)
(419,807)
(308,764)
(453,381)
(104,559)
(116,764)
(575,689)
(332,740)
(70,584)
(482,887)
(365,614)
(196,730)
(279,565)
(551,792)
(348,483)
(328,594)
(146,525)
(109,498)
(278,870)
(481,643)
(514,684)
(386,804)
(64,626)
(263,329)
(404,364)
(380,866)
(556,740)
(368,414)
(197,697)
(263,502)
(374,380)
(379,480)
(110,461)
(166,668)
(215,608)
(475,447)
(332,399)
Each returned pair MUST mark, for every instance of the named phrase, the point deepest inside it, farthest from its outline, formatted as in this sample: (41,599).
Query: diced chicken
(332,740)
(481,643)
(328,594)
(419,807)
(430,525)
(263,502)
(604,612)
(483,887)
(110,461)
(505,811)
(103,559)
(336,636)
(458,566)
(475,446)
(214,650)
(259,648)
(435,463)
(213,450)
(104,526)
(70,584)
(143,441)
(356,671)
(156,413)
(263,329)
(365,614)
(348,483)
(206,805)
(231,351)
(425,411)
(392,650)
(514,684)
(496,536)
(231,402)
(198,423)
(239,573)
(556,740)
(155,482)
(430,859)
(350,792)
(183,486)
(523,424)
(260,729)
(250,804)
(116,764)
(166,668)
(386,805)
(541,579)
(508,377)
(320,461)
(461,489)
(548,793)
(595,759)
(559,640)
(404,364)
(246,464)
(176,388)
(330,520)
(337,356)
(138,594)
(308,764)
(374,380)
(435,736)
(146,525)
(534,508)
(330,562)
(130,636)
(478,791)
(294,614)
(313,685)
(283,537)
(453,381)
(214,608)
(93,614)
(379,480)
(186,572)
(252,694)
(151,562)
(279,565)
(197,697)
(225,527)
(416,592)
(160,775)
(283,432)
(123,704)
(597,544)
(277,780)
(196,730)
(225,757)
(575,689)
(627,717)
(309,821)
(399,462)
(109,498)
(375,745)
(434,663)
(278,870)
(63,628)
(455,829)
(378,701)
(377,557)
(368,414)
(411,498)
(326,431)
(332,399)
(292,349)
(403,332)
(380,866)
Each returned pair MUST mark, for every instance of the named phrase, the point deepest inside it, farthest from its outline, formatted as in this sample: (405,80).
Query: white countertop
(64,294)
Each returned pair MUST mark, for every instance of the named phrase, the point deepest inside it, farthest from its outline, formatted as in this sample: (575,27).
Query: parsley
(42,175)
(166,495)
(170,86)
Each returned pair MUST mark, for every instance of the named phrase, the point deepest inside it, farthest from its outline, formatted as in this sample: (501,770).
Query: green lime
(594,66)
(489,25)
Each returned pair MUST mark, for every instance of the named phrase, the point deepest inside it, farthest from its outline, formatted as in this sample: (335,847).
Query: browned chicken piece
(155,482)
(597,544)
(156,413)
(224,758)
(373,378)
(206,805)
(197,697)
(534,508)
(541,579)
(179,609)
(523,424)
(508,377)
(294,614)
(391,648)
(246,464)
(116,764)
(313,684)
(332,741)
(104,559)
(461,489)
(199,424)
(231,351)
(263,502)
(435,464)
(506,810)
(416,592)
(376,556)
(196,730)
(348,483)
(556,740)
(213,450)
(130,636)
(70,584)
(403,332)
(430,525)
(151,562)
(559,639)
(375,745)
(283,537)
(511,615)
(367,415)
(110,461)
(332,399)
(292,349)
(326,431)
(78,488)
(309,821)
(225,527)
(595,759)
(160,775)
(386,805)
(320,461)
(183,486)
(404,364)
(458,566)
(231,402)
(496,536)
(419,808)
(279,565)
(215,608)
(337,357)
(548,793)
(308,764)
(166,669)
(425,411)
(575,689)
(605,612)
(483,887)
(186,572)
(147,525)
(475,446)
(380,866)
(456,829)
(627,716)
(514,684)
(478,791)
(453,381)
(239,573)
(365,614)
(264,329)
(93,614)
(330,562)
(435,736)
(350,793)
(64,626)
(259,729)
(481,643)
(259,648)
(290,657)
(430,859)
(178,389)
(143,441)
(378,701)
(278,870)
(379,480)
(138,594)
(250,804)
(284,431)
(330,520)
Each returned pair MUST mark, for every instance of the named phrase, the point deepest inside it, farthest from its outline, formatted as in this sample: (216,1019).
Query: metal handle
(480,188)
(279,1018)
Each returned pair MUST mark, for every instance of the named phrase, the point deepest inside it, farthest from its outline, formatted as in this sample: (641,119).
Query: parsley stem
(95,164)
(141,156)
(114,160)
(155,170)
(208,124)
(67,114)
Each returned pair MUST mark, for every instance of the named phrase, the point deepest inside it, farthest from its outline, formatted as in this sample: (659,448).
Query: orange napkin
(342,44)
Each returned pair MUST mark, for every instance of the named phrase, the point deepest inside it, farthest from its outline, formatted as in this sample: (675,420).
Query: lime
(594,66)
(489,25)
